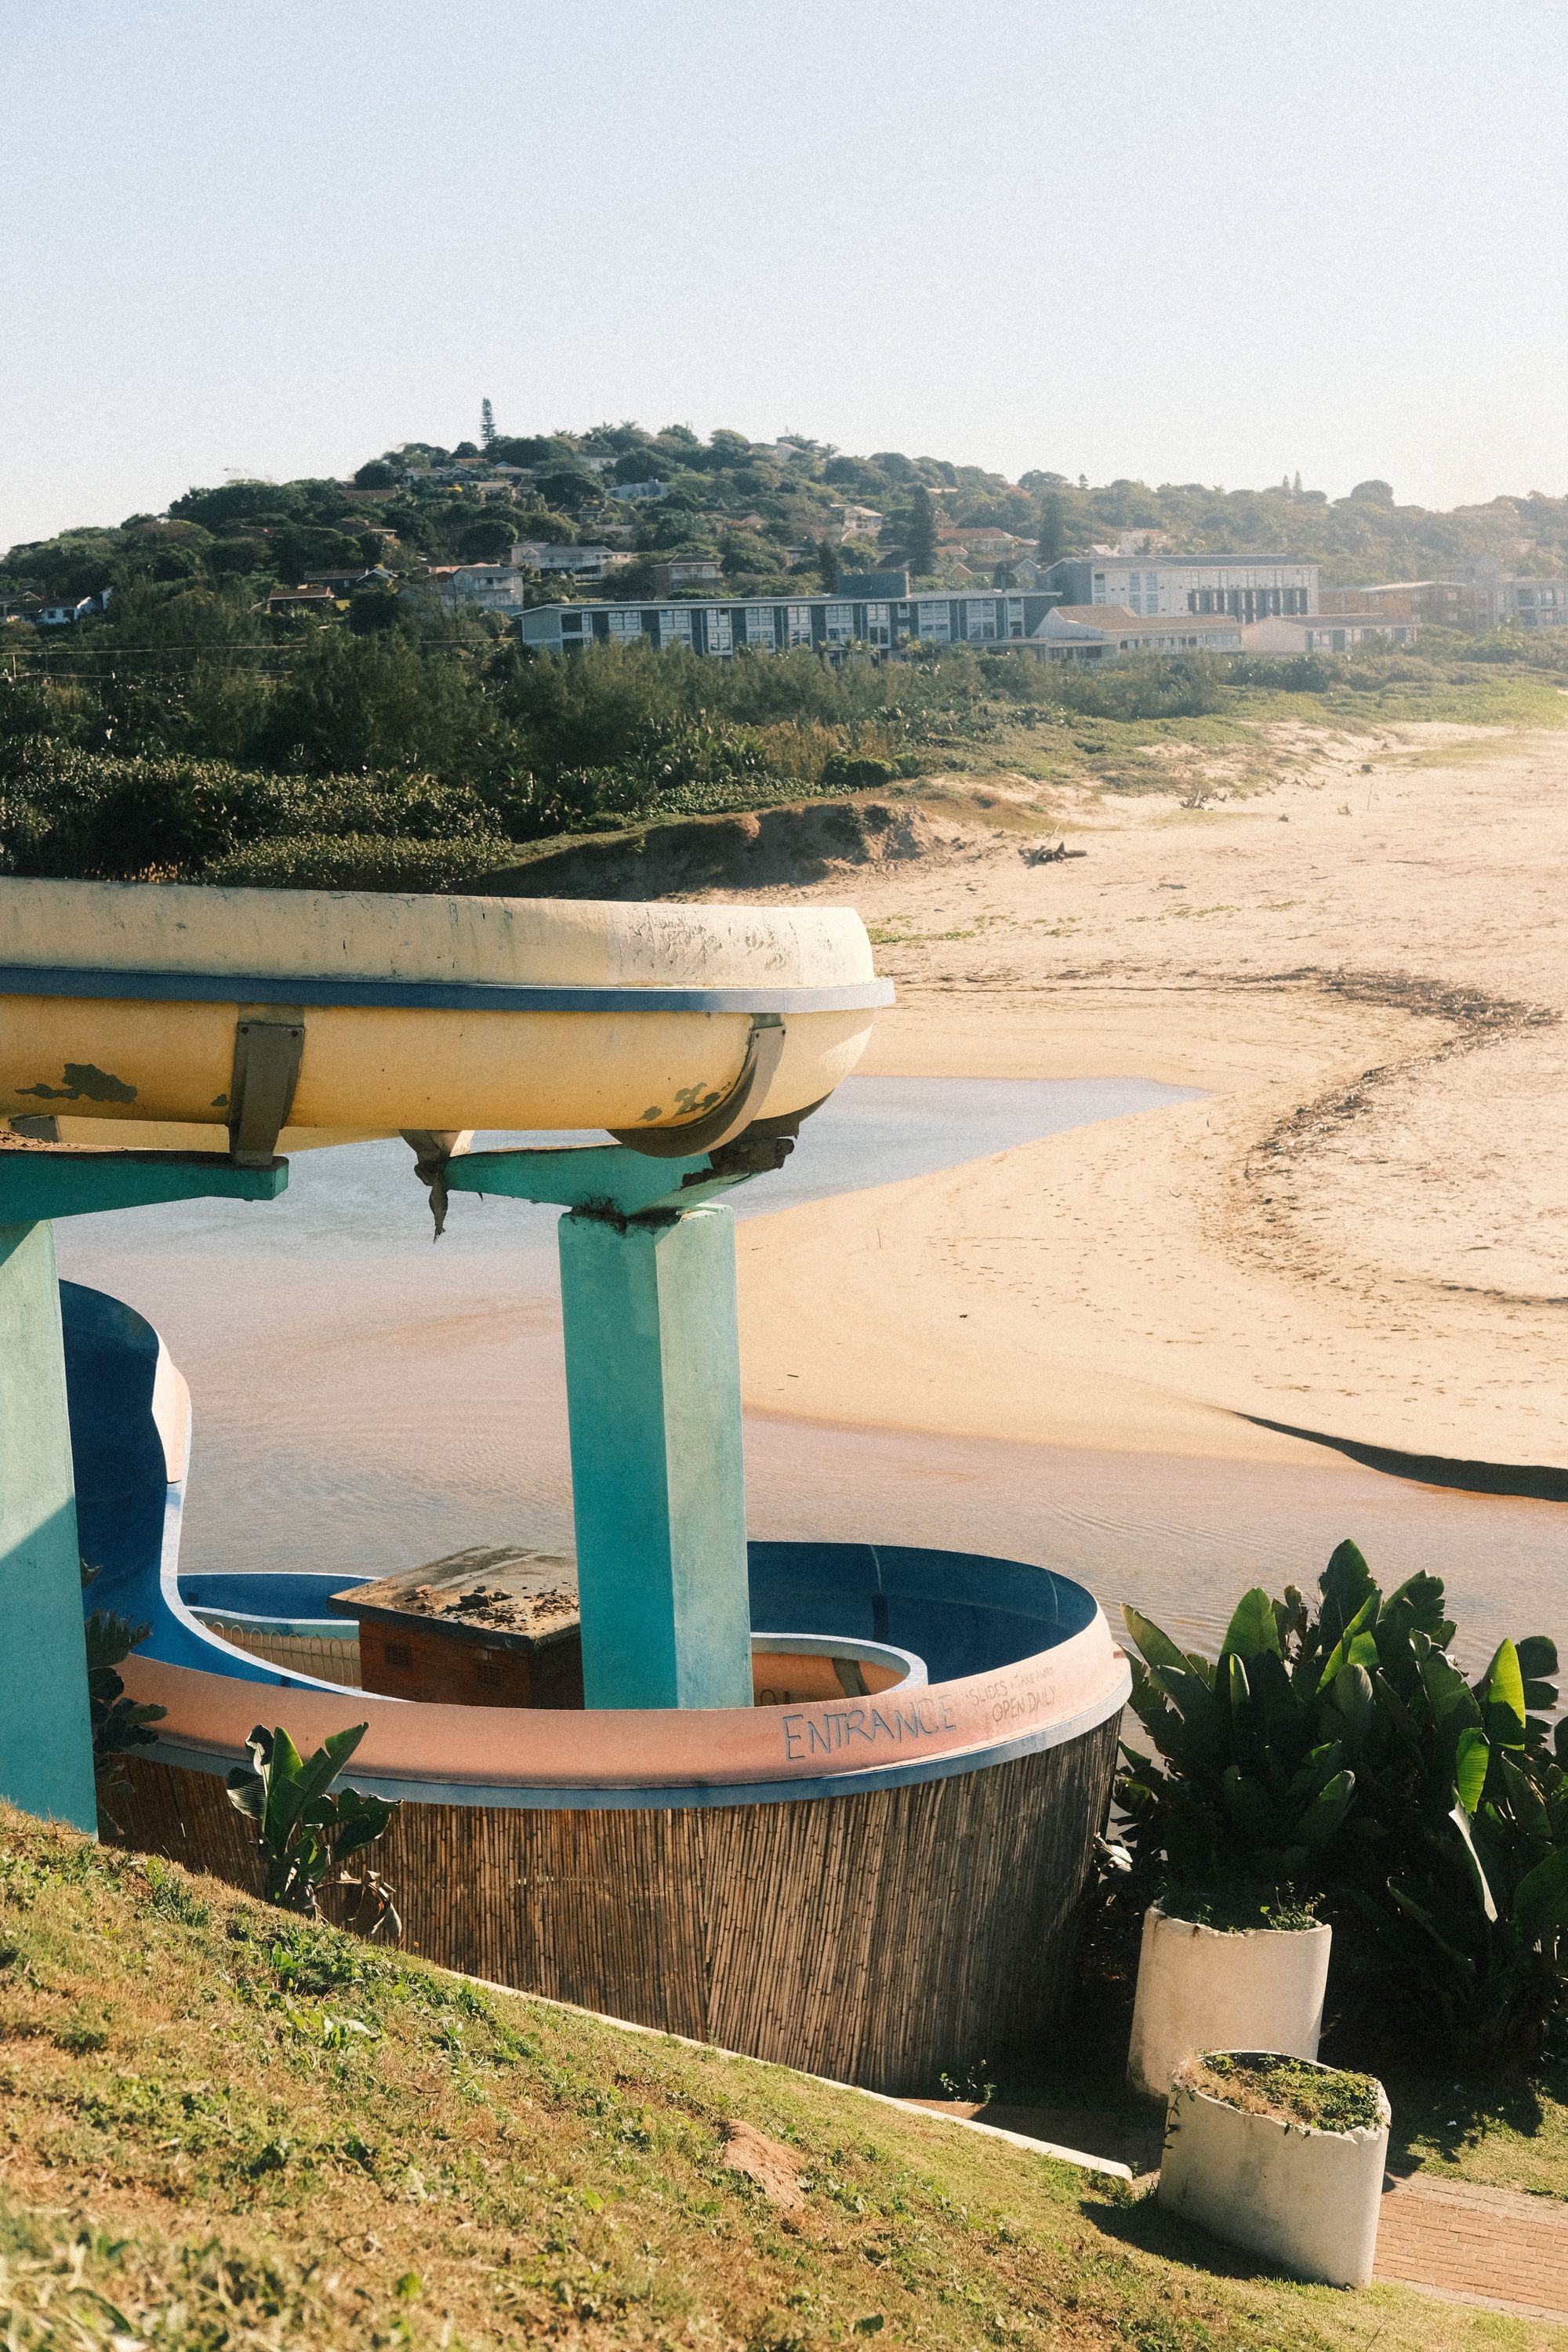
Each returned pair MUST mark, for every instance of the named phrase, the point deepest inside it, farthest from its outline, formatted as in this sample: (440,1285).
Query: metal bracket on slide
(745,1102)
(267,1057)
(730,1141)
(433,1147)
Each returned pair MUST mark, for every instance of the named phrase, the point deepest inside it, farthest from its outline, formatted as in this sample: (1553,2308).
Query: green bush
(92,814)
(65,811)
(359,861)
(119,1724)
(1150,685)
(1334,1755)
(846,768)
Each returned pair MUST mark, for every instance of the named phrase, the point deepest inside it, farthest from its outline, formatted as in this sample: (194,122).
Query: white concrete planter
(1199,1988)
(1304,2199)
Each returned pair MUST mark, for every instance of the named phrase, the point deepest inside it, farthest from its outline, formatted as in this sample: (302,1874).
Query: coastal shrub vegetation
(403,760)
(1335,1755)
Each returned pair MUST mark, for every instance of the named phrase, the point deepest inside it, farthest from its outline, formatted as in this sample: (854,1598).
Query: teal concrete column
(46,1727)
(46,1732)
(652,1389)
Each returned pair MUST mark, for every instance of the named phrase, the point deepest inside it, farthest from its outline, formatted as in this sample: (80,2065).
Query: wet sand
(1362,1230)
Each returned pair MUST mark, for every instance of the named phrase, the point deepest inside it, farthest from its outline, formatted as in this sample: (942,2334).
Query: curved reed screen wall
(880,1889)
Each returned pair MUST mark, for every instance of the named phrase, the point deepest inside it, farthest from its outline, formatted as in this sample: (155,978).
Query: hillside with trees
(188,728)
(761,509)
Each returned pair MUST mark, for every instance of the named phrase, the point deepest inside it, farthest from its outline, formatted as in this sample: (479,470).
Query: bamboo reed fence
(883,1937)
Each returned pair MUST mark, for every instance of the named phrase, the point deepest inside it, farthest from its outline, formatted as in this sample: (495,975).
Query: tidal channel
(363,1401)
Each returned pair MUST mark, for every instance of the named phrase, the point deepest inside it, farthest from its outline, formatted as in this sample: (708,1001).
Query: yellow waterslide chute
(154,1014)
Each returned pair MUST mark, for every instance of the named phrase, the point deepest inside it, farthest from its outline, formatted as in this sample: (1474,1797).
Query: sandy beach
(1360,1231)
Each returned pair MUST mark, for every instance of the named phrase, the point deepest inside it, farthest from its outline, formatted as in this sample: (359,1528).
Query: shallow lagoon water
(363,1401)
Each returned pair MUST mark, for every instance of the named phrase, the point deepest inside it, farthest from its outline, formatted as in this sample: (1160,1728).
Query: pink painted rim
(1056,1694)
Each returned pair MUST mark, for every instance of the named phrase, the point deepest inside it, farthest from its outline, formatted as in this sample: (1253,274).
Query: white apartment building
(1246,587)
(828,623)
(833,624)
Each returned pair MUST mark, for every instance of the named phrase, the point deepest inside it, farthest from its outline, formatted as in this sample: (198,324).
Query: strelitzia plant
(1258,1775)
(1336,1757)
(1467,1931)
(307,1834)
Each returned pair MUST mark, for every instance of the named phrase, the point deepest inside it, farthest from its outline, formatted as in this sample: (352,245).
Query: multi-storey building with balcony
(774,624)
(1246,587)
(1478,599)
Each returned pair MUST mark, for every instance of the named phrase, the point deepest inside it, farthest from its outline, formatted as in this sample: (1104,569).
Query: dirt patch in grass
(774,2168)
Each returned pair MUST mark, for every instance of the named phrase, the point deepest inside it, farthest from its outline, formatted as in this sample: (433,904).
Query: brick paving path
(1488,2246)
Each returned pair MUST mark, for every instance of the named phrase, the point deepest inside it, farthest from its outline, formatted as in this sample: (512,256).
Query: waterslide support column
(45,1724)
(45,1730)
(652,1391)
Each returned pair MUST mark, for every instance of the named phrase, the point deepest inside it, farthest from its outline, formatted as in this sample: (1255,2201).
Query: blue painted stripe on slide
(428,995)
(653,1798)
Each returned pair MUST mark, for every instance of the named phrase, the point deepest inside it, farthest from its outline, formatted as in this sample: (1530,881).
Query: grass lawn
(223,2127)
(1501,2134)
(1472,695)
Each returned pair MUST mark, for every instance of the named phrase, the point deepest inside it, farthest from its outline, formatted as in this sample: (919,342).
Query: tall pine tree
(921,534)
(1050,530)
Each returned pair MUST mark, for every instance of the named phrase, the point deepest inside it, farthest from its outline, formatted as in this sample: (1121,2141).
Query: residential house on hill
(853,522)
(315,597)
(581,562)
(345,583)
(63,615)
(686,572)
(475,587)
(983,545)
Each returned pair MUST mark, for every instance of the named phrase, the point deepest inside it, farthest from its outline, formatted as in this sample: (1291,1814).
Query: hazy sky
(1166,238)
